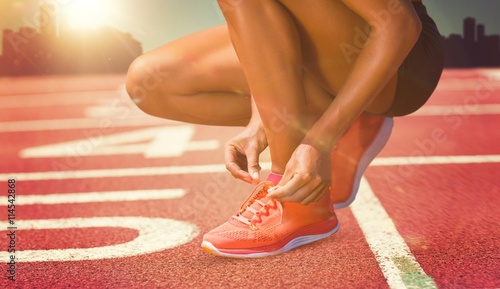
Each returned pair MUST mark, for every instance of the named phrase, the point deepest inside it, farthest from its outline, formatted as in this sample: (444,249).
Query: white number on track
(156,142)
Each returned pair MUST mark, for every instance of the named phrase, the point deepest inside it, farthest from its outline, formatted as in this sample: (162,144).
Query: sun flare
(88,13)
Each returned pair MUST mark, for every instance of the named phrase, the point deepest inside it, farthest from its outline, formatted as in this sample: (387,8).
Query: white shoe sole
(294,243)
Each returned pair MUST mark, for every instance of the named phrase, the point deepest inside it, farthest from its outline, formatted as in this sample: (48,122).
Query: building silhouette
(474,49)
(54,51)
(51,50)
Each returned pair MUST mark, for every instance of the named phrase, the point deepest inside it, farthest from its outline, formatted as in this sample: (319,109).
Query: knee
(153,78)
(144,78)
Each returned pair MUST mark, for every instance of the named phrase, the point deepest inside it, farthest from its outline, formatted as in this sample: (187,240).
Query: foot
(354,152)
(266,227)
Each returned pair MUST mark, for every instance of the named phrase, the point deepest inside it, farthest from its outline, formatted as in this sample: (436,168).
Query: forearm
(377,63)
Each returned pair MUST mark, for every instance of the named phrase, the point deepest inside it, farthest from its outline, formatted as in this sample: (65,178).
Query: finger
(285,190)
(288,174)
(309,198)
(309,192)
(324,190)
(253,165)
(295,191)
(314,195)
(233,167)
(298,197)
(255,177)
(238,173)
(318,197)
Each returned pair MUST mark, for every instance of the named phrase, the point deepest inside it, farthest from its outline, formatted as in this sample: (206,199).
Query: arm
(242,152)
(386,48)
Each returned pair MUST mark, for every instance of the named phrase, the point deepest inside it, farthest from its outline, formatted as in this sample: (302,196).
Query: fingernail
(255,175)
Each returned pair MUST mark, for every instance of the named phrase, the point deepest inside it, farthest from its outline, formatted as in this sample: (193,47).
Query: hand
(307,177)
(242,153)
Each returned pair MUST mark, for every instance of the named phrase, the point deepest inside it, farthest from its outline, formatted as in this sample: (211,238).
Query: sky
(156,22)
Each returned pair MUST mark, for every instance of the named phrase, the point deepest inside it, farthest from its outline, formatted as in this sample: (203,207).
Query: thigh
(197,79)
(204,61)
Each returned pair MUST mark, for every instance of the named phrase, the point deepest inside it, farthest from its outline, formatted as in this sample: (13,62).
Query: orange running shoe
(355,151)
(265,227)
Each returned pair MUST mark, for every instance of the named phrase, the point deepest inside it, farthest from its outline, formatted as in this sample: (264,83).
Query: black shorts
(420,72)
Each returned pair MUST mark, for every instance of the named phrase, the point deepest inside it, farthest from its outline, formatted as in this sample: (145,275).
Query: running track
(107,197)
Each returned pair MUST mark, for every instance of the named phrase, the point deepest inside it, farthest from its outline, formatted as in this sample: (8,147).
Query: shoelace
(256,206)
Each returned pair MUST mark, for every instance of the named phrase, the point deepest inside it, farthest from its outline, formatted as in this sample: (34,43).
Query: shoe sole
(294,243)
(370,154)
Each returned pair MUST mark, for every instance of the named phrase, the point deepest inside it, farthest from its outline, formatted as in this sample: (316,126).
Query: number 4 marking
(157,142)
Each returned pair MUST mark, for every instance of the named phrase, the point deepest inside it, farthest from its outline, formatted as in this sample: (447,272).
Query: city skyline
(473,48)
(162,21)
(52,47)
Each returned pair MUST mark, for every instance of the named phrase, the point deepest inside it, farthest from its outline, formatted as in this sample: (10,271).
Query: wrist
(255,123)
(255,117)
(255,128)
(328,130)
(319,143)
(321,139)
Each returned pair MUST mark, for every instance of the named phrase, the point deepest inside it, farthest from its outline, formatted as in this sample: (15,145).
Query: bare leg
(276,82)
(199,79)
(196,79)
(273,61)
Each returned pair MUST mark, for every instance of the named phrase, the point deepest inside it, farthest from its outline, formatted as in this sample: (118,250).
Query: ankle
(274,178)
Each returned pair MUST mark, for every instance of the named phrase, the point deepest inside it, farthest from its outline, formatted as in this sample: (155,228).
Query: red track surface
(445,211)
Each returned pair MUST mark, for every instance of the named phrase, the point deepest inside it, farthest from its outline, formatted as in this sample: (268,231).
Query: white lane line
(107,109)
(471,85)
(494,74)
(79,123)
(448,110)
(395,259)
(98,197)
(155,235)
(138,119)
(109,173)
(436,160)
(57,98)
(219,168)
